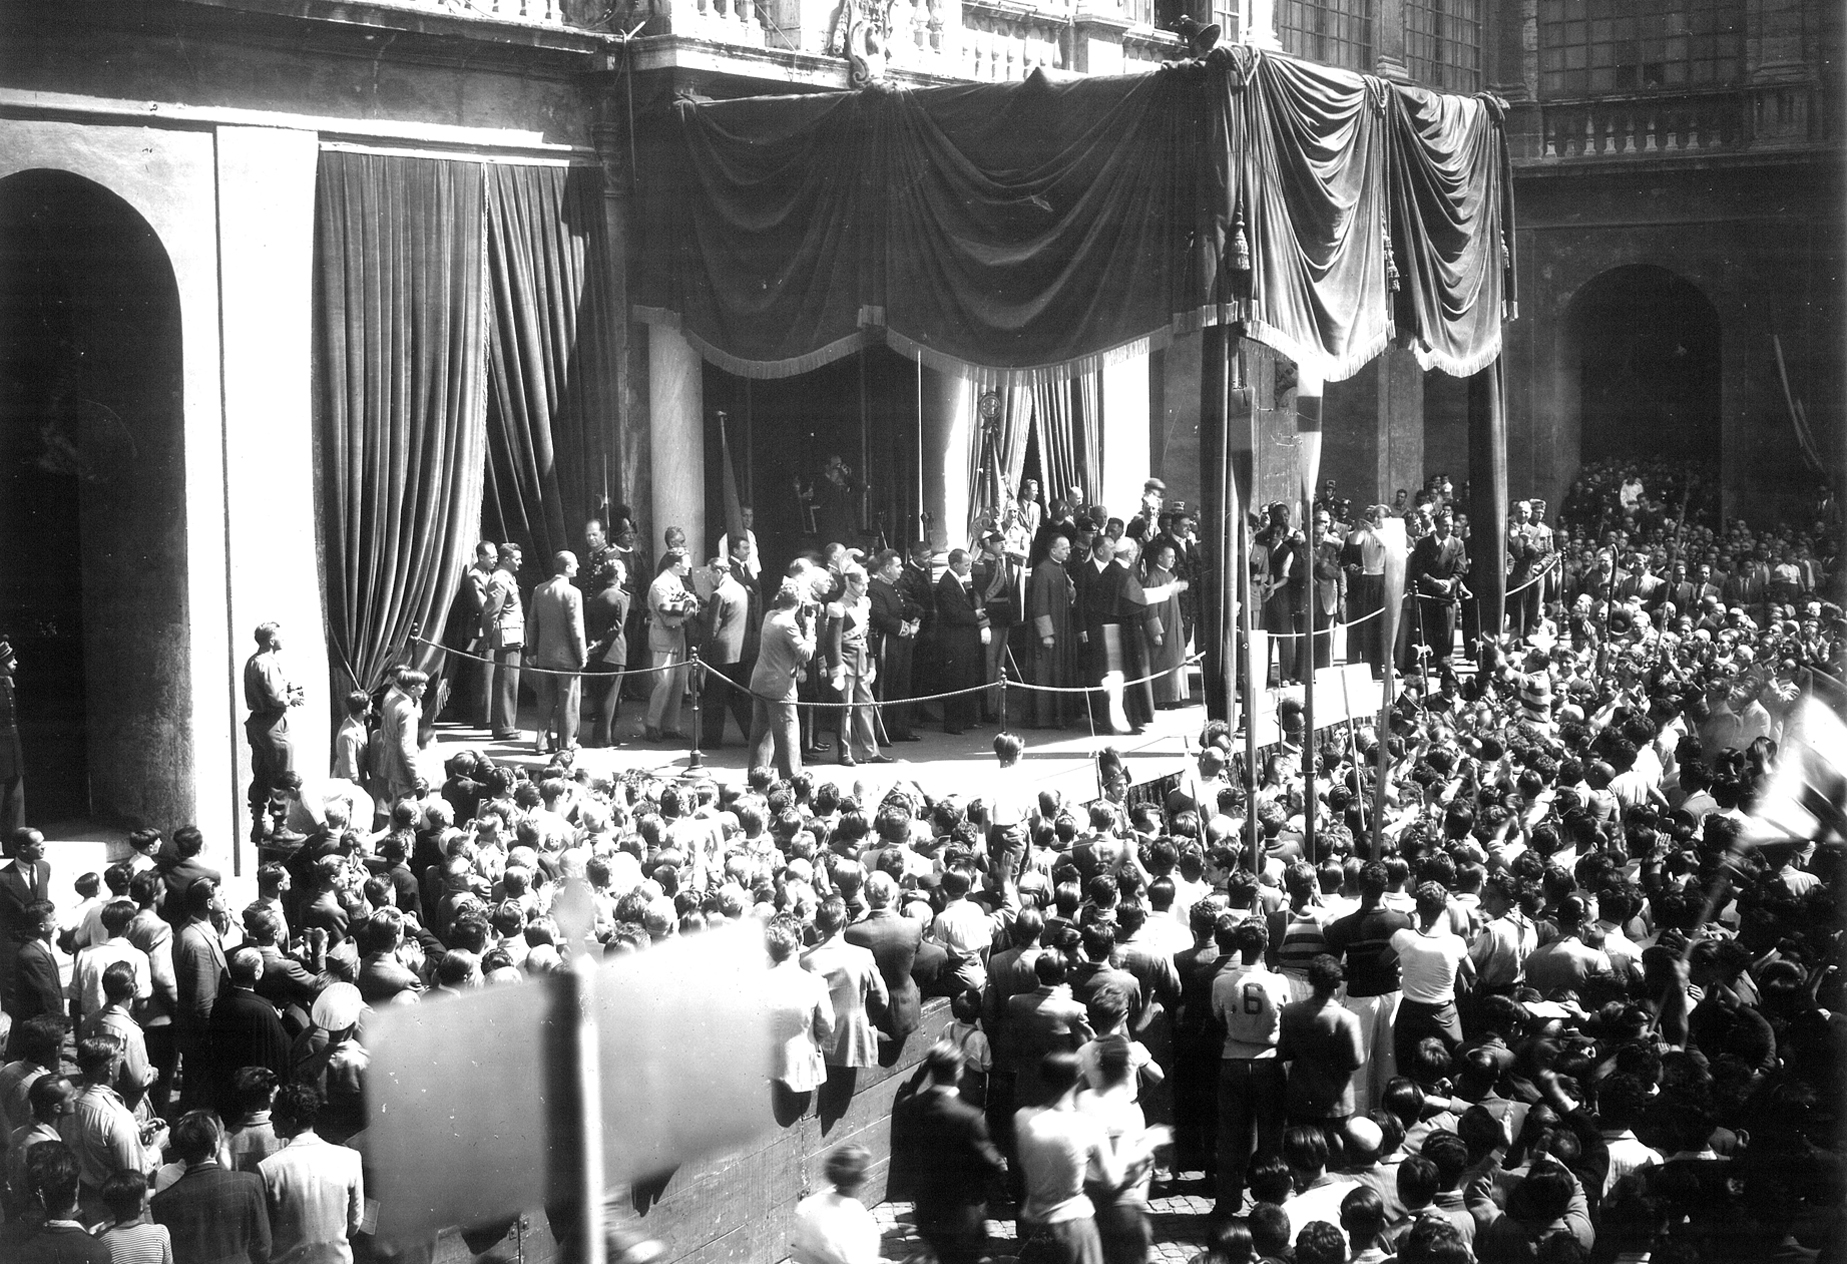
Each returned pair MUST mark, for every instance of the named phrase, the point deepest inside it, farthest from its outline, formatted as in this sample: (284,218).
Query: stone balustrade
(1643,126)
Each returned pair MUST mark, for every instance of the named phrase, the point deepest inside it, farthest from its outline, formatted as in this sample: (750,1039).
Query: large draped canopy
(1041,228)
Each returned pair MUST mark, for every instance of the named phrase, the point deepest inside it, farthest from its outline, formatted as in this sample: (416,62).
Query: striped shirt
(138,1242)
(1303,941)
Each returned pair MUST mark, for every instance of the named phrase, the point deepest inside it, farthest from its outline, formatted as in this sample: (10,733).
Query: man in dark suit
(22,883)
(1094,972)
(998,580)
(917,584)
(198,970)
(605,627)
(1438,567)
(896,617)
(212,1213)
(726,616)
(896,944)
(941,1143)
(180,868)
(556,637)
(36,989)
(1042,1021)
(465,684)
(243,1030)
(959,624)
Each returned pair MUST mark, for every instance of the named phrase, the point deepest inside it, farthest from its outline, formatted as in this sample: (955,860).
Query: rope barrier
(560,671)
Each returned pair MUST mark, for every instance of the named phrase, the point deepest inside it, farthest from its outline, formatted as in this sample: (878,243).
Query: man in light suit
(503,629)
(394,749)
(786,647)
(556,638)
(727,627)
(801,1013)
(854,985)
(26,880)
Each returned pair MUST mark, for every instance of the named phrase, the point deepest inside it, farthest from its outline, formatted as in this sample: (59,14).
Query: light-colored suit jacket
(853,983)
(726,613)
(556,629)
(801,1026)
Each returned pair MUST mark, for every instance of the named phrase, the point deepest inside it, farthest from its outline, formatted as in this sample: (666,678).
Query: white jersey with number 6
(1249,1000)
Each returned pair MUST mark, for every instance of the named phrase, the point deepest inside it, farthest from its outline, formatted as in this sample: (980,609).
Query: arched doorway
(92,504)
(1647,346)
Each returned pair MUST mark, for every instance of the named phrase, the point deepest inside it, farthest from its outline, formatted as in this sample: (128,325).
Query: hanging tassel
(1391,261)
(1240,244)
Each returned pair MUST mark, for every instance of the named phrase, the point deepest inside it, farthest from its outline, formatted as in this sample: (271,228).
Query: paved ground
(1178,1215)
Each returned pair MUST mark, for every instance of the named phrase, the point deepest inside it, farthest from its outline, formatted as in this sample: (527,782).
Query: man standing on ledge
(503,625)
(269,695)
(12,759)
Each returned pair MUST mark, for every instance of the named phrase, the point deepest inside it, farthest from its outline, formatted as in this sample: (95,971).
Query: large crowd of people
(1553,1004)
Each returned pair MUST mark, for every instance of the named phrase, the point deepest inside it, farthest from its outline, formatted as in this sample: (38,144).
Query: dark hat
(1200,39)
(1155,485)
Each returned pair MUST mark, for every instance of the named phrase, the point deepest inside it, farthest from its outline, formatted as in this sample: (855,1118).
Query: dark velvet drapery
(551,386)
(399,394)
(1044,228)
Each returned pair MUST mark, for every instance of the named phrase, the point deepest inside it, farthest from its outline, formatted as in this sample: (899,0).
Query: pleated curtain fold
(400,390)
(551,403)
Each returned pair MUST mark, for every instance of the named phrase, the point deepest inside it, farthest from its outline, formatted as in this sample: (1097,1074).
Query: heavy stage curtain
(400,389)
(1042,228)
(550,388)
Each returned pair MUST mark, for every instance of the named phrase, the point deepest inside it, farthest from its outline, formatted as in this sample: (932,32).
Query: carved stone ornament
(862,34)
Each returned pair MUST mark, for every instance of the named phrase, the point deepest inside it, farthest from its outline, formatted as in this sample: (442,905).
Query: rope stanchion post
(1003,698)
(695,758)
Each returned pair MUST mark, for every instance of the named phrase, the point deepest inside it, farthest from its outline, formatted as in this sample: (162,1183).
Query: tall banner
(1397,556)
(734,506)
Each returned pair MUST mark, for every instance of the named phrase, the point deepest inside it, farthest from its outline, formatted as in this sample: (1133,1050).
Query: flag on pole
(734,507)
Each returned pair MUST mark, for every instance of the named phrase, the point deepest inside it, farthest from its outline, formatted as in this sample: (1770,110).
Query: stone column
(1182,422)
(1783,85)
(265,281)
(1373,429)
(948,403)
(676,438)
(1125,436)
(1388,54)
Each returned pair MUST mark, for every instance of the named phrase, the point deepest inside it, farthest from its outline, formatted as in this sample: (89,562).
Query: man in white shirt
(1248,999)
(1318,1193)
(87,974)
(1566,962)
(315,1190)
(752,560)
(1431,957)
(1058,1147)
(965,930)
